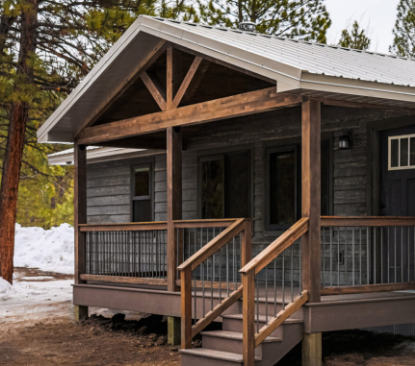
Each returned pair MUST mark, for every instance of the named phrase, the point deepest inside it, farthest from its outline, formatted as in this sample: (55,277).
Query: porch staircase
(224,347)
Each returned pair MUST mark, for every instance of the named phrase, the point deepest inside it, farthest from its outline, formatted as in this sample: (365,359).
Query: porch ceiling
(297,67)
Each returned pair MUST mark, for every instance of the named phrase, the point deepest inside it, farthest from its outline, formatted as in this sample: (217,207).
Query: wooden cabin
(261,182)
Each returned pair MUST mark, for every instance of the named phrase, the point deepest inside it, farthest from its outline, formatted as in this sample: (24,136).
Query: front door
(398,199)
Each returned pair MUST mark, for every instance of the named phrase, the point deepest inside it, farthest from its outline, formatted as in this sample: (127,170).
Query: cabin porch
(299,259)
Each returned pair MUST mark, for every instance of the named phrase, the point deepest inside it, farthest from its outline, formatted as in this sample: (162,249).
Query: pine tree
(300,19)
(356,38)
(46,48)
(404,32)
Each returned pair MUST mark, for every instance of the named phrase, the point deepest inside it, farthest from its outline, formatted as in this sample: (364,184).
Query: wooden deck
(339,312)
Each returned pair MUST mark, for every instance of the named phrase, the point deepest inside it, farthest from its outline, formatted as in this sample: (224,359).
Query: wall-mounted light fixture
(345,141)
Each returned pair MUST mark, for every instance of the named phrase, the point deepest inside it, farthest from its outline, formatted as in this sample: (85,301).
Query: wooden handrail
(206,223)
(281,317)
(217,311)
(248,272)
(213,246)
(188,331)
(365,289)
(129,226)
(362,221)
(277,247)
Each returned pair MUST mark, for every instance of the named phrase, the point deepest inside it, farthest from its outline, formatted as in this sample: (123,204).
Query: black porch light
(345,141)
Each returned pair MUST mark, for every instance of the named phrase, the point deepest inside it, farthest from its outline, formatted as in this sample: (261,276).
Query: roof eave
(371,89)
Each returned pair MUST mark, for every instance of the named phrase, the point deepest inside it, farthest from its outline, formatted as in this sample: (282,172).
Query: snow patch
(49,250)
(5,288)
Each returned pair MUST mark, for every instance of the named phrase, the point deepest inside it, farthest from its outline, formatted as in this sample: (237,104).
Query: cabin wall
(109,182)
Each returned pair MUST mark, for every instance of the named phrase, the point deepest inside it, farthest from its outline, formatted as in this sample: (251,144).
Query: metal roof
(294,65)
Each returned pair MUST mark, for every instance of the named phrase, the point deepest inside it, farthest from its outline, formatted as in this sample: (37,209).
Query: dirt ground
(49,336)
(106,341)
(93,342)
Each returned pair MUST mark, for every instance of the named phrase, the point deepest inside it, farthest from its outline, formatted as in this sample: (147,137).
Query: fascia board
(371,89)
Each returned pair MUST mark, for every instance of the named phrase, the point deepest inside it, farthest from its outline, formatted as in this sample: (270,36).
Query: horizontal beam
(365,105)
(363,221)
(120,279)
(258,101)
(133,226)
(365,289)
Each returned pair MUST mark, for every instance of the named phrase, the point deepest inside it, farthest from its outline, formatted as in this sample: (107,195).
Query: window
(142,197)
(283,190)
(401,152)
(283,198)
(225,182)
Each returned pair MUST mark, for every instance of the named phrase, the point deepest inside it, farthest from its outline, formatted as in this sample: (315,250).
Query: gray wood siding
(109,182)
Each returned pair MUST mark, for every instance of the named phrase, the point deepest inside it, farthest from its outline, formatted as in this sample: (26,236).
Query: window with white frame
(401,152)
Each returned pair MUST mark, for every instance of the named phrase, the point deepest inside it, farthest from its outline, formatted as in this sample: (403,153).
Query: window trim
(221,153)
(400,138)
(150,166)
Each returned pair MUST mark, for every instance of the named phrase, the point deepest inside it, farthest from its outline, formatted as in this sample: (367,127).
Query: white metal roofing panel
(293,64)
(306,56)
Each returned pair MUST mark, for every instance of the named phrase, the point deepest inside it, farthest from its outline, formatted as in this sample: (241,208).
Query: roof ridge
(282,38)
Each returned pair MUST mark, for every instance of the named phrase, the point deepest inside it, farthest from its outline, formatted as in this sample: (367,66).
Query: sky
(378,16)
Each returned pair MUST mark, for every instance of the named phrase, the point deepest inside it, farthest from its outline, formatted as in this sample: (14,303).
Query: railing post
(311,208)
(311,198)
(186,307)
(246,247)
(80,217)
(174,212)
(248,283)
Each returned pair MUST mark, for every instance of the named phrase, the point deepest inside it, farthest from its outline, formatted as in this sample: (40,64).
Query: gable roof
(296,66)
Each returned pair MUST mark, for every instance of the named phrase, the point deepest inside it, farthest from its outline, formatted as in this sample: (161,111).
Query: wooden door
(398,199)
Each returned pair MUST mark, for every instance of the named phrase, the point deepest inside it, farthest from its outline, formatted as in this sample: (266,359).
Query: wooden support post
(79,218)
(173,75)
(248,330)
(174,211)
(312,350)
(80,312)
(311,201)
(173,330)
(246,254)
(186,308)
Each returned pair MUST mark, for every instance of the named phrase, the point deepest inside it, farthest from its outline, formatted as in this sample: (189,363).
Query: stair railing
(210,278)
(280,262)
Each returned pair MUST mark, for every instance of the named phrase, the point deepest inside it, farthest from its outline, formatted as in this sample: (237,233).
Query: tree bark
(19,113)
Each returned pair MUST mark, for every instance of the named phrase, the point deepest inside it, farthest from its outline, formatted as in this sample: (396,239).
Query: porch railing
(210,281)
(136,253)
(367,254)
(271,278)
(133,253)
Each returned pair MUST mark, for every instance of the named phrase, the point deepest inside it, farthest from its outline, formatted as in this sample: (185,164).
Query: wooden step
(222,340)
(262,318)
(233,322)
(235,335)
(209,357)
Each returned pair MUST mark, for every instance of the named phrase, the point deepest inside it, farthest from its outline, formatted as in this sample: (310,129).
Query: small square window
(402,152)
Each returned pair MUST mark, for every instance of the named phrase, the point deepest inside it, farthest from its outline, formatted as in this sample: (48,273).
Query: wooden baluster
(248,283)
(186,307)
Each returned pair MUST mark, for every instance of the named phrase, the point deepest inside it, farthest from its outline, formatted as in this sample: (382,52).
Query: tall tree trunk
(15,141)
